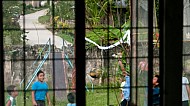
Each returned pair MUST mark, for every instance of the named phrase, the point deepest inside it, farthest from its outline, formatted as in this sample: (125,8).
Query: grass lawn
(99,97)
(96,98)
(44,19)
(66,37)
(28,100)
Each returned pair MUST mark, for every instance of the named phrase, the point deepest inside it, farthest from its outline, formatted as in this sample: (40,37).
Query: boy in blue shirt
(156,90)
(126,89)
(40,91)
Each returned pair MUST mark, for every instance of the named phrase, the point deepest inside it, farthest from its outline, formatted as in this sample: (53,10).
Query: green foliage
(101,36)
(11,9)
(44,19)
(28,6)
(12,37)
(157,9)
(66,37)
(95,11)
(64,9)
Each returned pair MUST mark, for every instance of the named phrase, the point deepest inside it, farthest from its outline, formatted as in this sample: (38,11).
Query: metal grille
(78,44)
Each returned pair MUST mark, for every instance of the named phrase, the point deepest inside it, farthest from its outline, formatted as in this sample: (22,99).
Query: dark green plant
(157,10)
(100,36)
(10,10)
(63,9)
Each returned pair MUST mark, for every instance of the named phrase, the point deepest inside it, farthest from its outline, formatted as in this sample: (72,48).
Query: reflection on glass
(186,60)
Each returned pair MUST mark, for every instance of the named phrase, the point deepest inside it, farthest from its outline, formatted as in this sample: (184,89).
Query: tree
(10,10)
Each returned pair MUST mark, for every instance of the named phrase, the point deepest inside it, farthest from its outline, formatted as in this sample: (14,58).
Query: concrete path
(38,34)
(60,77)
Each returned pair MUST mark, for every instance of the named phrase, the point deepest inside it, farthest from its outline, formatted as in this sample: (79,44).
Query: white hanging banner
(122,40)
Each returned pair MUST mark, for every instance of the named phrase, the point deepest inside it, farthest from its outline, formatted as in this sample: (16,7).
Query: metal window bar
(80,52)
(150,51)
(80,55)
(171,51)
(53,15)
(2,103)
(24,43)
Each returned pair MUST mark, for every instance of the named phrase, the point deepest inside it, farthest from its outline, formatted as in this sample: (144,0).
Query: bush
(29,6)
(66,37)
(44,19)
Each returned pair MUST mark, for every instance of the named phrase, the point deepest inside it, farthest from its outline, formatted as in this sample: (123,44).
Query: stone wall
(15,65)
(95,58)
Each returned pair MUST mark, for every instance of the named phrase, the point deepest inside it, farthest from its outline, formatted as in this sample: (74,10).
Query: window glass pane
(186,38)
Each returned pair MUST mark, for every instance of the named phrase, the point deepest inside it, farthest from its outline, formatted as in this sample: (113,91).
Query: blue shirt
(40,89)
(126,89)
(73,104)
(156,95)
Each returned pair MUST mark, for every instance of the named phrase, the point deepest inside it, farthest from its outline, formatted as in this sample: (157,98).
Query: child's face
(41,77)
(154,81)
(15,92)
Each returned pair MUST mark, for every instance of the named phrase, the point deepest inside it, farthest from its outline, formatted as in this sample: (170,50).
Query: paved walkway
(60,77)
(38,34)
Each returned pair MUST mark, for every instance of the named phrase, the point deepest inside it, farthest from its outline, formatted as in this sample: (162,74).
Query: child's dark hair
(10,89)
(158,79)
(40,72)
(71,97)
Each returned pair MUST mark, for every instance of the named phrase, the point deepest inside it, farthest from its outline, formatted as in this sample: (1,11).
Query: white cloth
(122,88)
(122,40)
(122,85)
(13,101)
(184,89)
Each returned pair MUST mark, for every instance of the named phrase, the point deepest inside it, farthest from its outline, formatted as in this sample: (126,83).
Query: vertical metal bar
(107,52)
(2,103)
(171,32)
(131,23)
(24,43)
(53,49)
(150,51)
(80,52)
(161,28)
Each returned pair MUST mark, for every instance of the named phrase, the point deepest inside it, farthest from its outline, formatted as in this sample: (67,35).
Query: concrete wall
(186,20)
